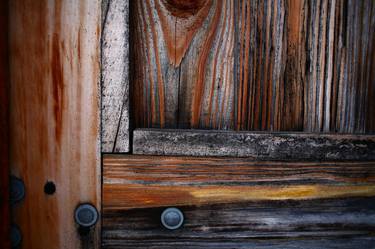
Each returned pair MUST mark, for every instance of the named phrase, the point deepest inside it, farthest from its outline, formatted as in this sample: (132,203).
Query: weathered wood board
(54,117)
(257,145)
(4,128)
(115,76)
(237,203)
(289,65)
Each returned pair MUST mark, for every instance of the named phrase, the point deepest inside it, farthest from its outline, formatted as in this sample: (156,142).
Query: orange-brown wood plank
(4,129)
(54,117)
(152,181)
(253,65)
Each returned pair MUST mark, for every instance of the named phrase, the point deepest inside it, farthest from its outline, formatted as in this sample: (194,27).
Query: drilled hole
(49,188)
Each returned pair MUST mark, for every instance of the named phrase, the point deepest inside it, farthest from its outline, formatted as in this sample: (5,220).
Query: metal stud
(17,190)
(86,215)
(15,236)
(172,218)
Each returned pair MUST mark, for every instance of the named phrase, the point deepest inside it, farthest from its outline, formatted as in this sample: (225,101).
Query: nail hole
(49,188)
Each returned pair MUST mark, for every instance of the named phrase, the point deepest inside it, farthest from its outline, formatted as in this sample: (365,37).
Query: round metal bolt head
(86,215)
(172,218)
(15,236)
(17,190)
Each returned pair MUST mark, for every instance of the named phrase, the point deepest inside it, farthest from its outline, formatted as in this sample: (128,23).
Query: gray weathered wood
(305,243)
(115,76)
(260,145)
(270,224)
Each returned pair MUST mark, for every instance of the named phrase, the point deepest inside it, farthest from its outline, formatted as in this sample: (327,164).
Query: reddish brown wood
(54,117)
(4,131)
(154,181)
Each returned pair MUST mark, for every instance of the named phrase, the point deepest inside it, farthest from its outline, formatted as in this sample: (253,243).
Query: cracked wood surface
(115,76)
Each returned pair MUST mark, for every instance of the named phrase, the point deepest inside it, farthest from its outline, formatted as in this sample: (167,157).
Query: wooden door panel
(290,65)
(237,203)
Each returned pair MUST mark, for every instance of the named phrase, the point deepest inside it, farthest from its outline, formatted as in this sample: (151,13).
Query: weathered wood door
(254,118)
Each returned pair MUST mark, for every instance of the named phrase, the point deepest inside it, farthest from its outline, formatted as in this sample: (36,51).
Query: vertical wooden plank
(4,128)
(54,117)
(294,78)
(115,76)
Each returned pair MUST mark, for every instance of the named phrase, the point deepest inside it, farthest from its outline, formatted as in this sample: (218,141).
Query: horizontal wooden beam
(237,203)
(258,145)
(153,181)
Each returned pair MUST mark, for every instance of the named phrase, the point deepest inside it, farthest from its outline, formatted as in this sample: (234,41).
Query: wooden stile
(54,117)
(115,76)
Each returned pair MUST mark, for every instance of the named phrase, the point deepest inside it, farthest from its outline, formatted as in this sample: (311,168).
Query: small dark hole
(49,188)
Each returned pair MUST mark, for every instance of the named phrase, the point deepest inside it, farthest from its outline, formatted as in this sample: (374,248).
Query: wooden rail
(237,203)
(257,145)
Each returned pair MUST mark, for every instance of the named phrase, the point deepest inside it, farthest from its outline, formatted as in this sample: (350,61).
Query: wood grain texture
(54,117)
(115,76)
(257,145)
(275,65)
(4,129)
(237,203)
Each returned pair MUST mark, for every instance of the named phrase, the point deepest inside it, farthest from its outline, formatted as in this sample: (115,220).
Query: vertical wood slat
(4,128)
(115,76)
(254,65)
(54,117)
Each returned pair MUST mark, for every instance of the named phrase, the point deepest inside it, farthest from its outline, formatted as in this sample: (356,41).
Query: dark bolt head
(15,236)
(17,190)
(172,218)
(86,215)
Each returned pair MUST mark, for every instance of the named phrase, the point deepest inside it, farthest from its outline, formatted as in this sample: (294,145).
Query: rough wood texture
(115,76)
(290,65)
(54,117)
(238,203)
(264,146)
(4,128)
